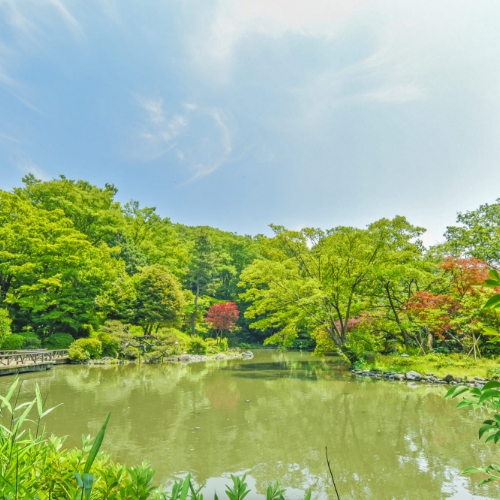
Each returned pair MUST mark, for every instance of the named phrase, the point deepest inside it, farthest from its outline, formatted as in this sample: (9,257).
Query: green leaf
(489,394)
(78,478)
(494,275)
(484,429)
(490,331)
(492,301)
(95,447)
(489,480)
(470,470)
(23,417)
(39,400)
(463,404)
(456,391)
(490,438)
(491,385)
(185,487)
(6,399)
(492,283)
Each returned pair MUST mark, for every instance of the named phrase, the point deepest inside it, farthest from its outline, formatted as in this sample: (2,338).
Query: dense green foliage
(73,260)
(486,398)
(36,466)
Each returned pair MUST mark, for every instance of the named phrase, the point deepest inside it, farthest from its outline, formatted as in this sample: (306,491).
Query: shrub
(76,353)
(31,340)
(93,348)
(13,342)
(110,344)
(58,341)
(362,341)
(212,347)
(197,345)
(223,345)
(5,322)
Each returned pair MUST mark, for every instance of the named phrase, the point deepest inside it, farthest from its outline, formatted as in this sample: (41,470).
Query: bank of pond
(235,426)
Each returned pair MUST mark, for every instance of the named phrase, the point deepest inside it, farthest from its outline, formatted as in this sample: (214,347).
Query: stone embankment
(428,378)
(183,358)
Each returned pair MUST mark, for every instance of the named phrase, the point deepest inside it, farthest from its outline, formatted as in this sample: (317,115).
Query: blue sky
(241,113)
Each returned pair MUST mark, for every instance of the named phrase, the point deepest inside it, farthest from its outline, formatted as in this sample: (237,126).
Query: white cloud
(220,154)
(27,166)
(157,133)
(236,20)
(200,136)
(69,19)
(154,108)
(416,47)
(9,138)
(29,24)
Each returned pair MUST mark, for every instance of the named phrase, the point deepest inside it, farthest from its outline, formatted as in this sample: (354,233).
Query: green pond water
(271,417)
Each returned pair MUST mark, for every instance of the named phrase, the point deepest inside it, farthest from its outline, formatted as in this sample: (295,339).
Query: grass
(457,365)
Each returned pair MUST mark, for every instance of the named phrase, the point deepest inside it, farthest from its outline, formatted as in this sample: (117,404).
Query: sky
(242,113)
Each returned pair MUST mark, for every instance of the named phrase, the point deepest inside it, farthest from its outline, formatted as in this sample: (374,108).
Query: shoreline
(181,359)
(428,378)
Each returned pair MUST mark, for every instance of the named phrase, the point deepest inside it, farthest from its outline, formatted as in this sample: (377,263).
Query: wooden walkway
(13,362)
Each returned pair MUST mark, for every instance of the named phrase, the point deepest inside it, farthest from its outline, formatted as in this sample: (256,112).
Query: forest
(76,264)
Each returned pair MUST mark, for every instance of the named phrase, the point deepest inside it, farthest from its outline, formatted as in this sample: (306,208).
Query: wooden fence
(8,358)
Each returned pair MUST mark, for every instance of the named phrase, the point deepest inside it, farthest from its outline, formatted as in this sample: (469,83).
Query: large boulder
(184,357)
(247,354)
(413,375)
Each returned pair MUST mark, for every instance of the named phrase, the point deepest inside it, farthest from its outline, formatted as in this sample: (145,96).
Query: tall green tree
(50,273)
(159,299)
(202,275)
(92,210)
(320,279)
(477,235)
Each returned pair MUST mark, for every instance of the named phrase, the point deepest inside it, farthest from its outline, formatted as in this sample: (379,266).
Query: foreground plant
(488,399)
(36,466)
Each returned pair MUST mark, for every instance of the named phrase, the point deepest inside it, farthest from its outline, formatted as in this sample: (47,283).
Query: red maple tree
(465,273)
(222,317)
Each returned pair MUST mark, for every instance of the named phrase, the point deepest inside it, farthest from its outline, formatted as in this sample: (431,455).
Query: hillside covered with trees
(77,264)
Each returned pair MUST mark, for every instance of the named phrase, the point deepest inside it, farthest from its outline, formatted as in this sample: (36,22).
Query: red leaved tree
(222,317)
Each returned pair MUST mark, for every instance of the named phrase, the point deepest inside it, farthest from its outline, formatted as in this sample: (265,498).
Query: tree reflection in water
(272,418)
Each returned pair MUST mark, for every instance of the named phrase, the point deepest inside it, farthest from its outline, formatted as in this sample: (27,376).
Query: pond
(271,417)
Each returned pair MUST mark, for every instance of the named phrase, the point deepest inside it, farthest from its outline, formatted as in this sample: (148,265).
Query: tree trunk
(195,311)
(396,315)
(430,339)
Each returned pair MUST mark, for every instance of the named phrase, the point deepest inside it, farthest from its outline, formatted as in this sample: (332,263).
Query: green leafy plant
(197,345)
(58,341)
(239,489)
(85,348)
(13,342)
(488,399)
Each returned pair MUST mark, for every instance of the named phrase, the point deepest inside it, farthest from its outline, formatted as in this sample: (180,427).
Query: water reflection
(272,417)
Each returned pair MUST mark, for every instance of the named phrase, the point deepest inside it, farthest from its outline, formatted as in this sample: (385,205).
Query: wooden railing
(31,357)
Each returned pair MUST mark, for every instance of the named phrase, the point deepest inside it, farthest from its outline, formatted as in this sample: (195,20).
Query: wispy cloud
(9,138)
(74,26)
(222,151)
(28,25)
(27,166)
(200,136)
(156,134)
